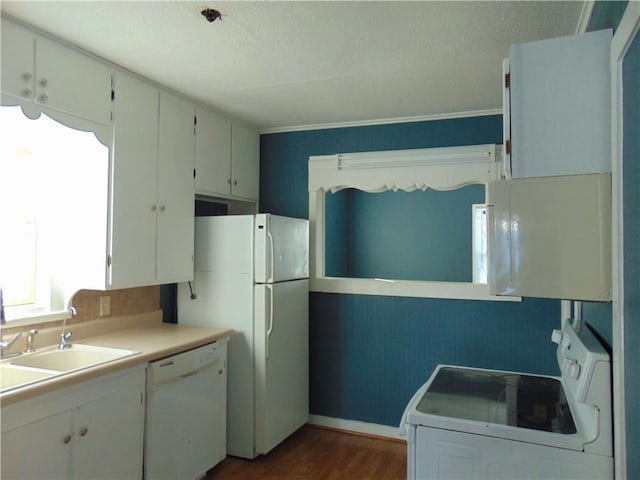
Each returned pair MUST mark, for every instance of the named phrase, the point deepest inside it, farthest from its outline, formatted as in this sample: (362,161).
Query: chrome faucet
(3,321)
(66,337)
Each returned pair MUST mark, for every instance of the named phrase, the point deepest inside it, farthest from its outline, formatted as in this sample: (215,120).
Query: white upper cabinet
(133,185)
(227,157)
(213,153)
(175,190)
(36,70)
(559,106)
(551,237)
(152,190)
(245,161)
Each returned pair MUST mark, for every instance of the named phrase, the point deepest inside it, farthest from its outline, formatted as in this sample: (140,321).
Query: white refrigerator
(251,274)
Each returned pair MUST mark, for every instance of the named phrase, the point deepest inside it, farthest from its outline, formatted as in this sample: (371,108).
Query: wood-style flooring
(314,453)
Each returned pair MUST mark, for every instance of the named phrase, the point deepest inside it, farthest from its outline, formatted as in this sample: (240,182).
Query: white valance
(437,168)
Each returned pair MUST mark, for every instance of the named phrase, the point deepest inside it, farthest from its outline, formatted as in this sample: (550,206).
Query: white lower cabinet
(39,449)
(91,430)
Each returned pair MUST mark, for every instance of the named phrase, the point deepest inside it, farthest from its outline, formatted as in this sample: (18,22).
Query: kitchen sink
(13,376)
(76,357)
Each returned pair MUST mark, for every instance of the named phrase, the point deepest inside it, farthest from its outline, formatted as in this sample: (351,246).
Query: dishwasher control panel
(187,363)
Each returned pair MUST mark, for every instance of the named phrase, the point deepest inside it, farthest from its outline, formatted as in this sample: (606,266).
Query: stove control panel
(584,363)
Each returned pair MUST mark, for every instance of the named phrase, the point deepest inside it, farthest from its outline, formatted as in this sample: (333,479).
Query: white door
(108,436)
(17,62)
(281,361)
(175,194)
(72,82)
(281,248)
(38,450)
(133,184)
(550,81)
(213,153)
(245,162)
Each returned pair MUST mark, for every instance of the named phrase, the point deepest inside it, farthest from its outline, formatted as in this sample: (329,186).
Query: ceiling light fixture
(211,14)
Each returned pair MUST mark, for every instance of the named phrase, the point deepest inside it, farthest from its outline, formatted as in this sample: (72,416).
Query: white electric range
(489,424)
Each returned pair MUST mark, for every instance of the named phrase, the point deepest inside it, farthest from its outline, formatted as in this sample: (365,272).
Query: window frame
(54,293)
(446,168)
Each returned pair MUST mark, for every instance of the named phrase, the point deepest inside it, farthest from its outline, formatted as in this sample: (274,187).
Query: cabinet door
(176,163)
(17,61)
(72,82)
(108,436)
(133,184)
(560,106)
(245,162)
(557,243)
(40,449)
(213,154)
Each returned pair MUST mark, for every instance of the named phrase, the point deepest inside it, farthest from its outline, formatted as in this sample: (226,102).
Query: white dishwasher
(186,415)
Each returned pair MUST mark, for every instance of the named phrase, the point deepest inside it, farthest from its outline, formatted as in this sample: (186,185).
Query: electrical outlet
(105,306)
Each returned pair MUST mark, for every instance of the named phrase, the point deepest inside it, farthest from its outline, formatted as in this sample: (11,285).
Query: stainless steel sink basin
(12,376)
(77,357)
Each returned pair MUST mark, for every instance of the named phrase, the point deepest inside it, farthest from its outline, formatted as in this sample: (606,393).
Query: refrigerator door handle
(270,327)
(272,254)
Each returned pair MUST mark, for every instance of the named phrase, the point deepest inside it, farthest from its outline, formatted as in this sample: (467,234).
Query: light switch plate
(105,306)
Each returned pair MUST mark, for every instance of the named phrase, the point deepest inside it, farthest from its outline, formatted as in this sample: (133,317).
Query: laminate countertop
(144,333)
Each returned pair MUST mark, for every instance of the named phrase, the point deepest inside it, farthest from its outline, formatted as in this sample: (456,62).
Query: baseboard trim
(355,427)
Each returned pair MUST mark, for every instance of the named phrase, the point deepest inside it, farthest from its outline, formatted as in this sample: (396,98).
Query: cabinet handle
(162,208)
(154,208)
(43,98)
(44,82)
(235,182)
(27,93)
(66,439)
(26,76)
(83,431)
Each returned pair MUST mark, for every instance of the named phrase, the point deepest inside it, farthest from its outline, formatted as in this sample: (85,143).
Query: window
(53,185)
(402,223)
(419,235)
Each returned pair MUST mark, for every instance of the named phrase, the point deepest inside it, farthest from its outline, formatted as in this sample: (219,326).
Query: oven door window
(518,400)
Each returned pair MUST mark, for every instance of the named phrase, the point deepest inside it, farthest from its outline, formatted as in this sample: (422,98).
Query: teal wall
(419,235)
(369,354)
(606,14)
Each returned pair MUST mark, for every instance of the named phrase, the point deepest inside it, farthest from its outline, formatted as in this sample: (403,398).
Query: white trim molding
(585,16)
(408,170)
(624,36)
(384,121)
(354,426)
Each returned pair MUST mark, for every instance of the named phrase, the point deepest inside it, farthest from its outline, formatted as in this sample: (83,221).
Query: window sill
(34,318)
(407,288)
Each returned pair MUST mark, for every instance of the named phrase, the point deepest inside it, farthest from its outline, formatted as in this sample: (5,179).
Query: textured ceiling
(290,64)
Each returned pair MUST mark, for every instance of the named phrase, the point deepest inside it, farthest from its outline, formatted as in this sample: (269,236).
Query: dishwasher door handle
(189,374)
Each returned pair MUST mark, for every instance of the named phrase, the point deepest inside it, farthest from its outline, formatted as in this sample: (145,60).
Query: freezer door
(224,244)
(281,361)
(281,248)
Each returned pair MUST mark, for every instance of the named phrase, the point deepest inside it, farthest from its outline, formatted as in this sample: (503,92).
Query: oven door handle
(412,403)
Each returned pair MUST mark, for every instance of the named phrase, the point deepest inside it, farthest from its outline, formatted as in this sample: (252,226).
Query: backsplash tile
(124,302)
(128,301)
